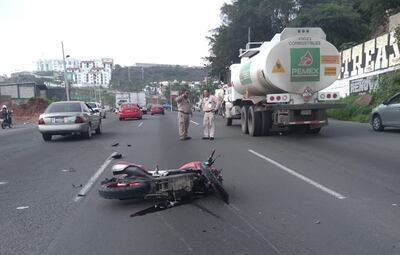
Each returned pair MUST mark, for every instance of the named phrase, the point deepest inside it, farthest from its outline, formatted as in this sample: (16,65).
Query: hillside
(134,78)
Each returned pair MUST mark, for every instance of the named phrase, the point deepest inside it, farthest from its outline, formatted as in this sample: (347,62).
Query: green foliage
(135,78)
(345,22)
(264,18)
(389,85)
(397,33)
(341,23)
(352,111)
(376,12)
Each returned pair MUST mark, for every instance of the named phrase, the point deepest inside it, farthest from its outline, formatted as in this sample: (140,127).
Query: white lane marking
(3,182)
(22,207)
(301,177)
(194,122)
(140,124)
(93,179)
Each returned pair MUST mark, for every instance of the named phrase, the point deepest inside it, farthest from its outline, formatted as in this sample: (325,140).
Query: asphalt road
(333,193)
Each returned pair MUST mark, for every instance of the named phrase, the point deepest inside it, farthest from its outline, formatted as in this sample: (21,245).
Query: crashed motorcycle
(193,179)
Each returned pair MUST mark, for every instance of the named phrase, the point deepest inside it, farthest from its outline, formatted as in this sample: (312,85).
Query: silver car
(387,114)
(97,106)
(69,117)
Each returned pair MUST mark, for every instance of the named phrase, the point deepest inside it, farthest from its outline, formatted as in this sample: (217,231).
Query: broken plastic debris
(116,155)
(22,207)
(394,204)
(115,144)
(317,222)
(129,145)
(68,170)
(3,182)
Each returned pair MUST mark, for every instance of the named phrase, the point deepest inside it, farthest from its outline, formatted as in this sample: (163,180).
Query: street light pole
(65,73)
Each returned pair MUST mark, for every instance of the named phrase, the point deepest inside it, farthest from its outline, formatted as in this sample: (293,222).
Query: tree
(341,23)
(263,17)
(377,11)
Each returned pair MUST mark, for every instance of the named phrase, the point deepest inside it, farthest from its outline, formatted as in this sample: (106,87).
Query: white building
(83,72)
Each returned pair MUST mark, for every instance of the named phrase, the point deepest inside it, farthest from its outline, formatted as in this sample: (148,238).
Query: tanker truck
(277,85)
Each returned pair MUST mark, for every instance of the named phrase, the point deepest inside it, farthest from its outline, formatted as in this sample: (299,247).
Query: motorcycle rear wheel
(110,190)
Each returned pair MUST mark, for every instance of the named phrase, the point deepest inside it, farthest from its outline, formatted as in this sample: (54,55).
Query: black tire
(88,133)
(3,126)
(229,122)
(313,131)
(152,113)
(108,191)
(254,122)
(377,123)
(266,122)
(46,137)
(98,129)
(216,185)
(243,119)
(298,129)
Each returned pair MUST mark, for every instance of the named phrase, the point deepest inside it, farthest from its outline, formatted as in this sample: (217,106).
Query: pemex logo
(306,59)
(303,67)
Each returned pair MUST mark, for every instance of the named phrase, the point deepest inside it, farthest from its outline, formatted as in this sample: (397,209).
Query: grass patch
(389,85)
(352,111)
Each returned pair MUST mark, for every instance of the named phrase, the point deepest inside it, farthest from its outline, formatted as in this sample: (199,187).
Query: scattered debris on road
(3,182)
(77,186)
(22,207)
(116,155)
(68,170)
(317,222)
(115,144)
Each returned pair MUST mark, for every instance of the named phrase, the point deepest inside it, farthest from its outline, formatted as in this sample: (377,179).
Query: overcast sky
(129,31)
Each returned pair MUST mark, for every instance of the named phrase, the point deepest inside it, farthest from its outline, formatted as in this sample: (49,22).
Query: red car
(127,110)
(157,109)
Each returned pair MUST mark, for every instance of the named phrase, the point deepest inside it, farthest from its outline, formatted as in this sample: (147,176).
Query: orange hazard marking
(329,59)
(330,71)
(278,68)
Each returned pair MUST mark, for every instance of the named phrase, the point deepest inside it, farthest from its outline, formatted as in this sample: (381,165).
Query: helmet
(4,106)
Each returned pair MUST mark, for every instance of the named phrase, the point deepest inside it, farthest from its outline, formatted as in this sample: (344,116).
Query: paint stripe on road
(140,124)
(194,122)
(300,176)
(93,179)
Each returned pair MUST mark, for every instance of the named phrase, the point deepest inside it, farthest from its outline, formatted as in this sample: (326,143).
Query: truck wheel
(46,137)
(254,122)
(229,122)
(313,131)
(266,122)
(243,119)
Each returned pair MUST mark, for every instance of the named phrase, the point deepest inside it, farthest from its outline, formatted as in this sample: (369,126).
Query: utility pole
(170,95)
(65,73)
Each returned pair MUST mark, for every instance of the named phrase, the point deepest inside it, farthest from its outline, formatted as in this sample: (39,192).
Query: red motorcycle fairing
(195,165)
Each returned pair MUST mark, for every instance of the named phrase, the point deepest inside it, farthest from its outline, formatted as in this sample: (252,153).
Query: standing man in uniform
(184,113)
(209,106)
